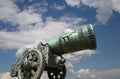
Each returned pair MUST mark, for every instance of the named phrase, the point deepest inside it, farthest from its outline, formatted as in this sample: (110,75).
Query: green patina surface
(80,39)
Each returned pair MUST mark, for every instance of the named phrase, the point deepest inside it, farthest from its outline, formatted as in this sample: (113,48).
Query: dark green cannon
(48,56)
(81,39)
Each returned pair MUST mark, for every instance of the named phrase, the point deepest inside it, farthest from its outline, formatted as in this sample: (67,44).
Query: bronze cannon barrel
(81,39)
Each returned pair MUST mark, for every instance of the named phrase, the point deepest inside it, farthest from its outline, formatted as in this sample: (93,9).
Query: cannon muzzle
(80,39)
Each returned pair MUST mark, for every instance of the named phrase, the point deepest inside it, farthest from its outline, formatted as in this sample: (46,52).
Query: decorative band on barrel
(91,35)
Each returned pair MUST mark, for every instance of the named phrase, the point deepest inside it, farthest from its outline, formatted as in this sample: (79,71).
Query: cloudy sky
(26,22)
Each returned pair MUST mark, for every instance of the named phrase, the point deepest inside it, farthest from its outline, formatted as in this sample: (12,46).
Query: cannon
(48,56)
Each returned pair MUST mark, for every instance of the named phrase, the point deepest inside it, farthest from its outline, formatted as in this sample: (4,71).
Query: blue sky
(26,22)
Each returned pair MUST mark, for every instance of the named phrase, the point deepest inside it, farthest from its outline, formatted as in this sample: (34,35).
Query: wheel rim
(32,65)
(57,73)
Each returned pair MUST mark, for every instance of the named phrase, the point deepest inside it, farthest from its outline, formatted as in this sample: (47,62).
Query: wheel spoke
(61,72)
(30,57)
(57,73)
(34,65)
(34,57)
(28,75)
(52,74)
(22,74)
(32,72)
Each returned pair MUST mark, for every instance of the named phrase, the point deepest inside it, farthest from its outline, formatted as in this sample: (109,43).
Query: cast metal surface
(80,39)
(48,56)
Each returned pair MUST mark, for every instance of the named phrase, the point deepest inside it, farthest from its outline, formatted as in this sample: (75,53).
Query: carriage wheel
(32,65)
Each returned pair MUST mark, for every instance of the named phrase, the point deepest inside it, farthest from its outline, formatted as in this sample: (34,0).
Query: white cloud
(40,7)
(10,12)
(72,21)
(116,5)
(67,31)
(6,75)
(73,2)
(104,8)
(85,74)
(25,18)
(94,74)
(7,10)
(109,74)
(17,39)
(82,74)
(59,7)
(75,57)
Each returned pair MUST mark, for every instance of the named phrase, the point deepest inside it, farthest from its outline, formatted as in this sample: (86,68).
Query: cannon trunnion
(48,56)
